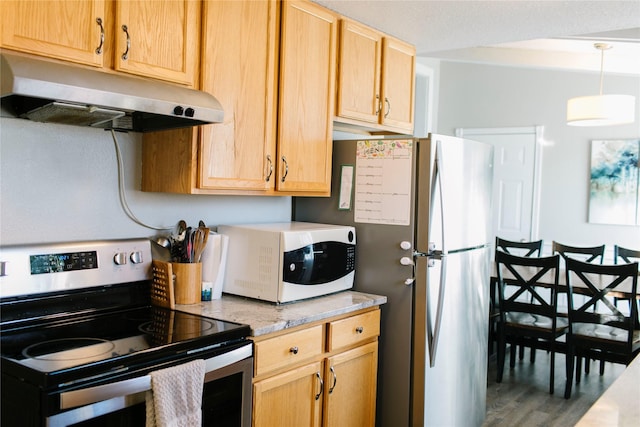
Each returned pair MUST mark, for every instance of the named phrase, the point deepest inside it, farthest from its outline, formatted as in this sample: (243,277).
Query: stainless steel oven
(80,338)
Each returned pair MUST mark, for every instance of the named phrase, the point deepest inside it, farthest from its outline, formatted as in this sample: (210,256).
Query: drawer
(345,332)
(288,349)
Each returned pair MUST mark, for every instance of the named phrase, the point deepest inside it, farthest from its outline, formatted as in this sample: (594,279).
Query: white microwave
(290,261)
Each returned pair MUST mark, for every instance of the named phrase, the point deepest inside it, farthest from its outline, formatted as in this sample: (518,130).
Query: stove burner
(68,349)
(182,328)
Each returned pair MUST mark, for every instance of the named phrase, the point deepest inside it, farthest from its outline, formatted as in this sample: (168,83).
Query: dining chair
(528,314)
(521,248)
(597,329)
(594,254)
(625,255)
(583,253)
(527,249)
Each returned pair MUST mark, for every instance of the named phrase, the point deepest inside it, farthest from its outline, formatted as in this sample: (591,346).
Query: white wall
(60,183)
(477,96)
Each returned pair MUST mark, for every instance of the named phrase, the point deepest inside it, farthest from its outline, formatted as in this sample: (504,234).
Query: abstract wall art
(615,190)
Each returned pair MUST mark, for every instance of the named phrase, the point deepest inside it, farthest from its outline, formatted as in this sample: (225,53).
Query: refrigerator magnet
(346,188)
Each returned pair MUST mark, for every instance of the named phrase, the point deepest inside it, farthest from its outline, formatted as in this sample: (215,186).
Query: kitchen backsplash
(60,183)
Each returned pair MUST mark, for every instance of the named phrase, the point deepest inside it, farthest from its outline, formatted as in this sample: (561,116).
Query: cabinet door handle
(125,55)
(335,380)
(286,168)
(359,329)
(293,350)
(321,385)
(378,105)
(270,163)
(388,104)
(99,48)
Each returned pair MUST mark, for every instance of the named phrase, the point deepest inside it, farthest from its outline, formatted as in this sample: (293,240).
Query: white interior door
(516,179)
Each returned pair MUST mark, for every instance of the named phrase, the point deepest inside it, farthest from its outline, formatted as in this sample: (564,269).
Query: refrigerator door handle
(433,328)
(437,181)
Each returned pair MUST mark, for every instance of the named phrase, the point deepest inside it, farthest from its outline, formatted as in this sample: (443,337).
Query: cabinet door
(66,30)
(291,399)
(398,75)
(350,387)
(307,98)
(239,67)
(359,72)
(158,39)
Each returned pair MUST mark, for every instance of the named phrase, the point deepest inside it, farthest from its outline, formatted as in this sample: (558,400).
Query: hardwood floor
(523,399)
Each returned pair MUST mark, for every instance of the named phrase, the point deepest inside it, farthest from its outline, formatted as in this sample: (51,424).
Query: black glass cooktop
(107,341)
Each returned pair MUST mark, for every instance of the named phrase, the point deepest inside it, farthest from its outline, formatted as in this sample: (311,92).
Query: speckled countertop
(266,317)
(619,406)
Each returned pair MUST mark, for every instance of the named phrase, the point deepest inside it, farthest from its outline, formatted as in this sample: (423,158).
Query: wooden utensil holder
(187,282)
(176,283)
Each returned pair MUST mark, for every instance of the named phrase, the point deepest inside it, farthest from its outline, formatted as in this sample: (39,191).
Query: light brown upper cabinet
(375,80)
(271,64)
(158,39)
(68,30)
(306,107)
(239,67)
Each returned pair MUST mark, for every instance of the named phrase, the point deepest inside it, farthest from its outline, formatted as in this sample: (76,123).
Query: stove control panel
(33,269)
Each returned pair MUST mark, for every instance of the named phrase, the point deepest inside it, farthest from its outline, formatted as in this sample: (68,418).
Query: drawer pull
(125,55)
(335,380)
(359,329)
(293,350)
(99,48)
(321,385)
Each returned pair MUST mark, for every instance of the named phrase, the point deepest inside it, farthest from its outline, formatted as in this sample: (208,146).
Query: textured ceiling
(438,27)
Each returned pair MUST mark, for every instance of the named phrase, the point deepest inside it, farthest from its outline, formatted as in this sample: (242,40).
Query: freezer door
(450,374)
(454,178)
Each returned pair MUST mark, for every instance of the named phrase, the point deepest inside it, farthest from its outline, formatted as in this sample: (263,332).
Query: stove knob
(120,258)
(136,257)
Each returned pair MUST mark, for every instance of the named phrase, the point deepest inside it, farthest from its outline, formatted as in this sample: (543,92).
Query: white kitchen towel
(175,398)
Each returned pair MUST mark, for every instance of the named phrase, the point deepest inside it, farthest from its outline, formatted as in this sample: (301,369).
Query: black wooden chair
(585,253)
(621,256)
(593,254)
(597,329)
(528,314)
(526,249)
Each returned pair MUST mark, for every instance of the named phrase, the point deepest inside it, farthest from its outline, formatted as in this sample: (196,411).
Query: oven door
(227,395)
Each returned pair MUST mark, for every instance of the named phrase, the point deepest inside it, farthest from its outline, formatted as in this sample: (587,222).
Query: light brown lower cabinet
(320,375)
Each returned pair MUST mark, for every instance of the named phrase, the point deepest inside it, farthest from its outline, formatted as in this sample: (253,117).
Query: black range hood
(53,92)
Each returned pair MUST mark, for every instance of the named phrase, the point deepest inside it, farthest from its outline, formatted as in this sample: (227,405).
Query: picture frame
(614,179)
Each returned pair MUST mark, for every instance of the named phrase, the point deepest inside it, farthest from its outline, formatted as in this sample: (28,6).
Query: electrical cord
(121,189)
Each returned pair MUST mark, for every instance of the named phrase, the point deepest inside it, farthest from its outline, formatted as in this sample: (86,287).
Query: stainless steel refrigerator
(421,208)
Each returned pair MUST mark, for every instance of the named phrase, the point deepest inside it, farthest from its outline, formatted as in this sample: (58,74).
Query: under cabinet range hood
(53,92)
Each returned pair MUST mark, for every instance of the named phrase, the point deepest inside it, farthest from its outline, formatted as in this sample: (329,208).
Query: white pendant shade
(601,110)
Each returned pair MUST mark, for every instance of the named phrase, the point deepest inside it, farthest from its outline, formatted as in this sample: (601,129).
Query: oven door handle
(87,396)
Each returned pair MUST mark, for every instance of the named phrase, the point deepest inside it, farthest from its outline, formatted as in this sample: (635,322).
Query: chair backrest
(526,249)
(588,286)
(532,283)
(624,255)
(584,253)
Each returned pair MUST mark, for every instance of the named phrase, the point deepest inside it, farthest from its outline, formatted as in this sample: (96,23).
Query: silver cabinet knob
(405,245)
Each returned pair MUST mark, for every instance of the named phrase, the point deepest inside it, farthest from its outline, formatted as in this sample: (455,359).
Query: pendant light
(601,110)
